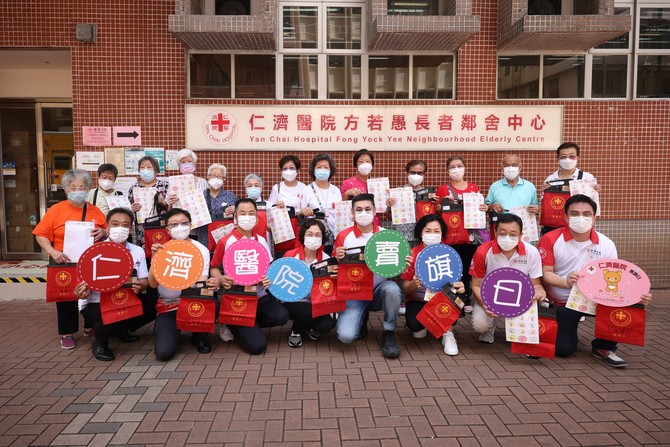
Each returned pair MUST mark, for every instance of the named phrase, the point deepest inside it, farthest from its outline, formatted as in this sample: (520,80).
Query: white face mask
(365,168)
(180,233)
(312,242)
(247,223)
(567,163)
(289,174)
(215,183)
(363,218)
(456,173)
(507,243)
(105,184)
(415,179)
(119,234)
(431,238)
(580,224)
(511,172)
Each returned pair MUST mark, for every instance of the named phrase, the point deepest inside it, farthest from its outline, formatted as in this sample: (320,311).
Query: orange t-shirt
(52,225)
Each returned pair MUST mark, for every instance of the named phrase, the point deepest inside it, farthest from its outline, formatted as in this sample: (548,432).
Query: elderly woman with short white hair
(220,202)
(186,160)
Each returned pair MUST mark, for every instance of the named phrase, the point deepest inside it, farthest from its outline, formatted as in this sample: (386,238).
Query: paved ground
(326,393)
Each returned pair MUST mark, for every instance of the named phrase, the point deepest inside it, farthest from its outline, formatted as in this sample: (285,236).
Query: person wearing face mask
(119,221)
(416,174)
(429,230)
(50,235)
(512,190)
(270,312)
(322,170)
(567,155)
(107,174)
(352,323)
(364,161)
(310,251)
(564,251)
(291,192)
(148,168)
(220,202)
(506,250)
(166,334)
(186,160)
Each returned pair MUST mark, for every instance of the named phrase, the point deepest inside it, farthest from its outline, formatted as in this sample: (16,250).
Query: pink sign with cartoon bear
(613,282)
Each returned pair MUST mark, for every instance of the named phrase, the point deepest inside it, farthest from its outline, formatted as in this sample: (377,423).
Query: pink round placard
(613,282)
(246,261)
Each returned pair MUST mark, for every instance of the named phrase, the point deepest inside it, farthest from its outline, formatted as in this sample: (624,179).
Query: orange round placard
(178,265)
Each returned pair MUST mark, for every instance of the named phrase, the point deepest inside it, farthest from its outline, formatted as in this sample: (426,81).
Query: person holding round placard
(386,296)
(312,237)
(429,230)
(506,250)
(269,312)
(564,251)
(50,235)
(322,169)
(119,221)
(178,222)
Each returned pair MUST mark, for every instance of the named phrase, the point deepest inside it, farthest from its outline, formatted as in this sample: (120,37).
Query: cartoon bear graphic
(612,279)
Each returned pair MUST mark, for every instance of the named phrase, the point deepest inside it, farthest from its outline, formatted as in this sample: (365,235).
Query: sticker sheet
(379,187)
(181,184)
(579,302)
(404,211)
(531,232)
(343,217)
(222,232)
(280,225)
(117,202)
(194,202)
(145,197)
(586,187)
(524,328)
(473,217)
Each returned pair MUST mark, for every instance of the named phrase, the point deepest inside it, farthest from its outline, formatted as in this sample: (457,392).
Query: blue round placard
(291,279)
(436,265)
(507,292)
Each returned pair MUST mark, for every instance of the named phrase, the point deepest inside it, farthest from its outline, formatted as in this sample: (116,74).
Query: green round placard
(385,253)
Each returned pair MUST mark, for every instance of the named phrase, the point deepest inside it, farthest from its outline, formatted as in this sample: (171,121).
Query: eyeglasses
(174,225)
(218,176)
(71,189)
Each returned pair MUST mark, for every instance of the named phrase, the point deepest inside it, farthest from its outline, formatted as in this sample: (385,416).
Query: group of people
(553,268)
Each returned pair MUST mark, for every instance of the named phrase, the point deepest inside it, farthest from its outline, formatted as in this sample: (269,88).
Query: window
(563,77)
(420,7)
(211,75)
(609,76)
(653,55)
(518,77)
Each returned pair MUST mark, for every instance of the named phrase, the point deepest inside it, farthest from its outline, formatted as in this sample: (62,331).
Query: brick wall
(135,74)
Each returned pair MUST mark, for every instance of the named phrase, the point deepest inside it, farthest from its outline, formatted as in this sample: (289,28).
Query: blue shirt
(521,194)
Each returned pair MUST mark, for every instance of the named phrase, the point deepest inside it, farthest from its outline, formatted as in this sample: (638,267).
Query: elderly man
(512,190)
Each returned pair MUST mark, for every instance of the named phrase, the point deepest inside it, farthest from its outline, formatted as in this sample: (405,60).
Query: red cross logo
(220,122)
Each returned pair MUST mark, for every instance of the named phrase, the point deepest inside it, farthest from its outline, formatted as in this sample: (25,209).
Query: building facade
(467,73)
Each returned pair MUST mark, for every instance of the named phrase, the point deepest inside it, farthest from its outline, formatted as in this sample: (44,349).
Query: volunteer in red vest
(119,221)
(568,157)
(50,235)
(429,230)
(563,252)
(312,239)
(269,313)
(178,222)
(364,161)
(386,296)
(506,250)
(454,190)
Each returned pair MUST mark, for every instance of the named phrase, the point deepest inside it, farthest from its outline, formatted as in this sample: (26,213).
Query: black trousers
(412,309)
(301,314)
(67,313)
(166,335)
(566,337)
(270,313)
(466,252)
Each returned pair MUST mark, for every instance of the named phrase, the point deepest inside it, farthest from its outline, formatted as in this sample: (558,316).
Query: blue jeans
(386,296)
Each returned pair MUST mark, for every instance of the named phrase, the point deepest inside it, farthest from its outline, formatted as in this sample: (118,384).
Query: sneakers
(468,309)
(295,340)
(449,342)
(313,334)
(67,342)
(88,332)
(610,358)
(488,336)
(402,310)
(225,334)
(420,334)
(389,345)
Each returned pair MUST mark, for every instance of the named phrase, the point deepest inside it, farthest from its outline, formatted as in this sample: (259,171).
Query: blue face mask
(77,196)
(253,192)
(322,174)
(147,174)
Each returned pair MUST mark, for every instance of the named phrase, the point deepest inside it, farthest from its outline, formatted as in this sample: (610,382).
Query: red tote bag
(119,305)
(548,329)
(355,280)
(621,324)
(238,306)
(452,215)
(324,295)
(61,281)
(441,312)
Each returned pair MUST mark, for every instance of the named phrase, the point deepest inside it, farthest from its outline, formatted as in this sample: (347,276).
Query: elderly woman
(50,235)
(220,202)
(148,167)
(186,159)
(253,186)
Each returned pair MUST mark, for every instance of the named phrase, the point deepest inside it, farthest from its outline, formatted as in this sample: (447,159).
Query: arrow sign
(127,135)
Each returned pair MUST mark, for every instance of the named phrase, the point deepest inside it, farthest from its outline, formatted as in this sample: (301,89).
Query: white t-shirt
(585,176)
(326,199)
(298,196)
(139,264)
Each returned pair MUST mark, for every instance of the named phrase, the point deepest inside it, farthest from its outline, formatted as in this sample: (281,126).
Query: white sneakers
(420,334)
(488,336)
(449,342)
(225,334)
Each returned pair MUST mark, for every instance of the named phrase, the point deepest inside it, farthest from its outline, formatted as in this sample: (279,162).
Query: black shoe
(201,344)
(363,331)
(390,347)
(101,352)
(126,336)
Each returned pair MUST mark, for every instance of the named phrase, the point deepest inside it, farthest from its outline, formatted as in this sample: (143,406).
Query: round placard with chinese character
(507,292)
(246,261)
(178,265)
(438,264)
(385,253)
(613,282)
(291,279)
(105,266)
